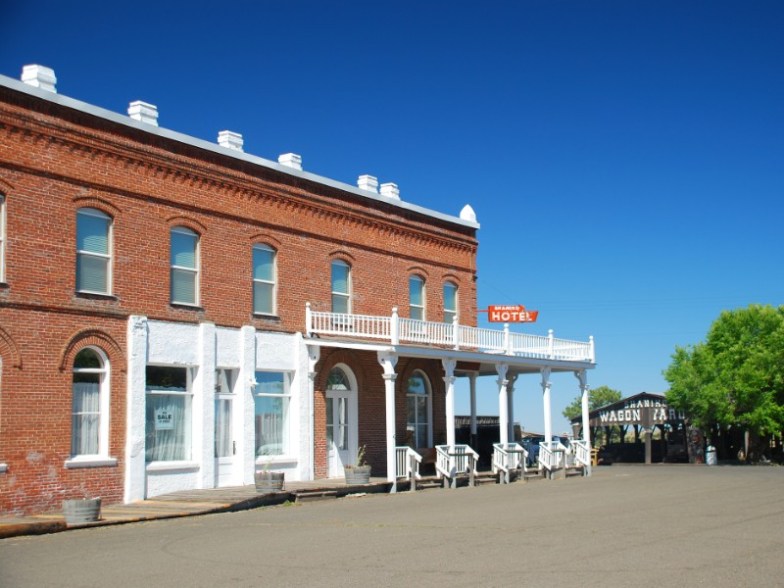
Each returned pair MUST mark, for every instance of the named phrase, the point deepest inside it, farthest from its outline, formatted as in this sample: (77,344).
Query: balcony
(404,331)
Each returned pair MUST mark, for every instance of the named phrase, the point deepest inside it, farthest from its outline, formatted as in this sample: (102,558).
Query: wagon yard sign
(510,313)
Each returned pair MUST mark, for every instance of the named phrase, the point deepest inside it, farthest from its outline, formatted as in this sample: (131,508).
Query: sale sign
(511,313)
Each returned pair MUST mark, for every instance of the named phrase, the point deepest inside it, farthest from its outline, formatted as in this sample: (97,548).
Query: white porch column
(548,417)
(512,379)
(135,425)
(449,380)
(204,407)
(503,402)
(582,377)
(388,362)
(472,382)
(246,432)
(314,354)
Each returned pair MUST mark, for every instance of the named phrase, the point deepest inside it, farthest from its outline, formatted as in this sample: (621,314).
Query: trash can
(710,455)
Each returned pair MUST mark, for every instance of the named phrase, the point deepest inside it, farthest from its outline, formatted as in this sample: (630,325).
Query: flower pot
(356,475)
(268,482)
(82,510)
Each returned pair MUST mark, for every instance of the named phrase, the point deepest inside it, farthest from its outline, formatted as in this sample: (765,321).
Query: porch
(463,351)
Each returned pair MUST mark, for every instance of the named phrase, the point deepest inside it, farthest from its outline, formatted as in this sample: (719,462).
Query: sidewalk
(189,503)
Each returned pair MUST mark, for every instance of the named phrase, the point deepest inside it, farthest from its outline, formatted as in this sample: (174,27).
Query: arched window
(341,287)
(264,280)
(418,411)
(450,302)
(93,251)
(416,298)
(184,257)
(89,413)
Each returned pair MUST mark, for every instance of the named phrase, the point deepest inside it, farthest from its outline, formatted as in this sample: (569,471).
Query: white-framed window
(416,298)
(341,287)
(168,415)
(93,251)
(184,255)
(264,280)
(225,381)
(2,238)
(272,399)
(418,411)
(90,404)
(450,302)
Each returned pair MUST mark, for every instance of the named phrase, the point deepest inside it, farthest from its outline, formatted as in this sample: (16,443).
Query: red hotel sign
(515,313)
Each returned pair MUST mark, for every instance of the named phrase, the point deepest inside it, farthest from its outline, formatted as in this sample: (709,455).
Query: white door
(341,423)
(225,444)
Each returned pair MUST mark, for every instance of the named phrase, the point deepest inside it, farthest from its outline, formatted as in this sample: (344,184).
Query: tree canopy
(597,397)
(736,376)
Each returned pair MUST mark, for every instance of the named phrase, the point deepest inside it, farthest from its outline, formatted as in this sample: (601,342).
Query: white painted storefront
(225,371)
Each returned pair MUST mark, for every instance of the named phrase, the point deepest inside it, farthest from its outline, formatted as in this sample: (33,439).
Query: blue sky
(625,158)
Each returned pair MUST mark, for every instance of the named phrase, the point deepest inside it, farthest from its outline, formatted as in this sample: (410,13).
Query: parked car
(531,445)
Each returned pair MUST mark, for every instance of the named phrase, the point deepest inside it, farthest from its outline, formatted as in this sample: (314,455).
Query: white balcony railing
(398,330)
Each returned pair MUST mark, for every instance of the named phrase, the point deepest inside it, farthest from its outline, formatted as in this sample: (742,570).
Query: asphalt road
(636,526)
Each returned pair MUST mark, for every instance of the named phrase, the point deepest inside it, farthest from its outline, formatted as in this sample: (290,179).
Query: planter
(82,511)
(356,475)
(268,482)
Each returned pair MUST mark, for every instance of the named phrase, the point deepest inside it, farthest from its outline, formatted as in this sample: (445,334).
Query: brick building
(177,314)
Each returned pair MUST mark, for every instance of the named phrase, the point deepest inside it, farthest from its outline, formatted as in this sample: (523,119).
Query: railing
(398,330)
(452,460)
(582,453)
(551,457)
(508,457)
(407,464)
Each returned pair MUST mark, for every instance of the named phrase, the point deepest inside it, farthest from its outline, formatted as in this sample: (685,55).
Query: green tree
(597,397)
(736,376)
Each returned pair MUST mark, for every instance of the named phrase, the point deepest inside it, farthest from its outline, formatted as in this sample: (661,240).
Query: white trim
(168,466)
(89,461)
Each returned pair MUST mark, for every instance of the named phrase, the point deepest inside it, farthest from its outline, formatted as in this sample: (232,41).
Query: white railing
(398,330)
(452,460)
(582,453)
(508,457)
(407,464)
(551,457)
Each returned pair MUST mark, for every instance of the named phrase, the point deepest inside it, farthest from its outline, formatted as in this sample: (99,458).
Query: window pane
(415,291)
(183,286)
(183,249)
(92,273)
(340,304)
(271,424)
(92,232)
(166,378)
(223,440)
(85,414)
(87,358)
(262,298)
(270,383)
(340,273)
(168,427)
(450,295)
(263,264)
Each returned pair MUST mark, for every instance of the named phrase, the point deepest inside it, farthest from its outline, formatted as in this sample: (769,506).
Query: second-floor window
(264,280)
(450,302)
(184,266)
(416,298)
(93,251)
(341,287)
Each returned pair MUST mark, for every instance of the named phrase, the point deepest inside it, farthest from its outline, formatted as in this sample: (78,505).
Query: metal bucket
(77,512)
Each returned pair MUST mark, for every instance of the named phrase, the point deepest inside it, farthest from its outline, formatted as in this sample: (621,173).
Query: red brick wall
(54,161)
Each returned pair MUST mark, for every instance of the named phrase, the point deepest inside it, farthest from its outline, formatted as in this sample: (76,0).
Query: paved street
(626,526)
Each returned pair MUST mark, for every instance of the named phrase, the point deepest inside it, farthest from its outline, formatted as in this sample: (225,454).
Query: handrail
(453,460)
(506,458)
(582,453)
(407,464)
(551,456)
(398,330)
